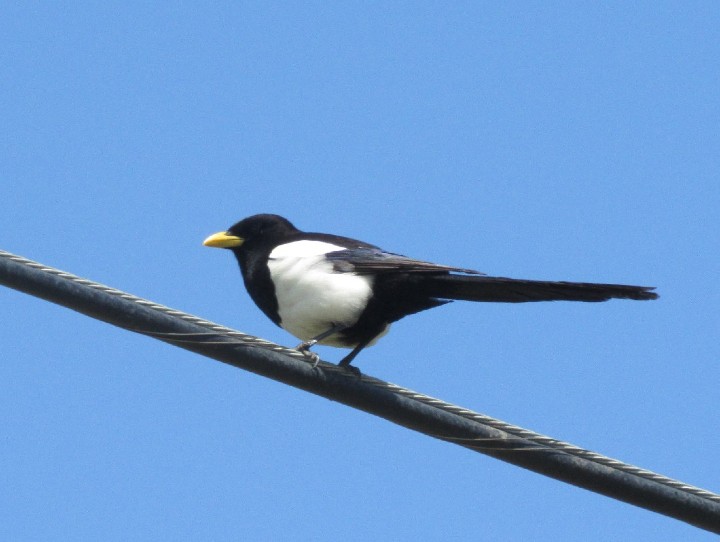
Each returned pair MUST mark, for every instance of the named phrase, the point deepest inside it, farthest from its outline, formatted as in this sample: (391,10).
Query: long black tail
(504,290)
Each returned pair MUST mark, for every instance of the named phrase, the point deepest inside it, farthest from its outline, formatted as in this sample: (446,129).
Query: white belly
(311,297)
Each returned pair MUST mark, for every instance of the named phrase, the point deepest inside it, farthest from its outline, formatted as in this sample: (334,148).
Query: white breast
(311,296)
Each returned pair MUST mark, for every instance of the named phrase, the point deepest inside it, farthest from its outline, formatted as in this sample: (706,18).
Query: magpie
(337,291)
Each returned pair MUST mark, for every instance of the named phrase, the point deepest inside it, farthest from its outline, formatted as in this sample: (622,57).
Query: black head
(262,225)
(255,230)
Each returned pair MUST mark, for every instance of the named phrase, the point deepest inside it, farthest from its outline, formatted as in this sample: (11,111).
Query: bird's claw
(353,370)
(304,348)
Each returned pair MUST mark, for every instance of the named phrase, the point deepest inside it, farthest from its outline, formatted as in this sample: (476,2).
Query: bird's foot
(352,369)
(304,347)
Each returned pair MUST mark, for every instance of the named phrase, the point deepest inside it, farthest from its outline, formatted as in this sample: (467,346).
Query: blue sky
(566,141)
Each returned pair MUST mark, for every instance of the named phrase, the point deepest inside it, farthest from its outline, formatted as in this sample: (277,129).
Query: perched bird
(343,292)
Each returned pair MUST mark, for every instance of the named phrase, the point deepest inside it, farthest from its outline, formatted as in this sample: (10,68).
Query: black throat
(256,275)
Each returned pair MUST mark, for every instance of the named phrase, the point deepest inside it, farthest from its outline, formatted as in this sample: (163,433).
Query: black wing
(373,261)
(441,281)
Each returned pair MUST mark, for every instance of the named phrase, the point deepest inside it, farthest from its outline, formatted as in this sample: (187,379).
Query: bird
(337,291)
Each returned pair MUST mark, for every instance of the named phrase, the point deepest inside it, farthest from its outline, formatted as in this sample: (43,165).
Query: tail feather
(505,290)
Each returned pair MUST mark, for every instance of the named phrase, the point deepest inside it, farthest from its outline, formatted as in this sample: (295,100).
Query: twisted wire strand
(521,436)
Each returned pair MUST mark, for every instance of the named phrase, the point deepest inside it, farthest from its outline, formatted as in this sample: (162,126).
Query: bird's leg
(305,346)
(345,362)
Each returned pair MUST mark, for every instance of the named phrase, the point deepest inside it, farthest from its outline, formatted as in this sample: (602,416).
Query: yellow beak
(223,239)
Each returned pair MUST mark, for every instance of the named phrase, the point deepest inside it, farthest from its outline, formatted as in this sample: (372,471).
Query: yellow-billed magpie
(343,292)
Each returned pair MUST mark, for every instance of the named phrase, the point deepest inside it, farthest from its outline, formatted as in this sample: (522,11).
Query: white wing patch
(311,296)
(301,249)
